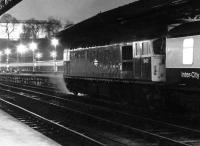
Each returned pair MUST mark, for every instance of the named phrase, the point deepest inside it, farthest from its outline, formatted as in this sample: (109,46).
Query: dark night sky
(73,10)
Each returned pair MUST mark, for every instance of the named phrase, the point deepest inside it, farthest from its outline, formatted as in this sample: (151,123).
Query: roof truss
(138,20)
(5,5)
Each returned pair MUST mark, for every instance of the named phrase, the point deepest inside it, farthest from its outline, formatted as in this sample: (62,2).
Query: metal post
(7,62)
(55,59)
(17,62)
(33,61)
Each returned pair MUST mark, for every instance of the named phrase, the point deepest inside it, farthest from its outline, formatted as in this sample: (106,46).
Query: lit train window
(188,51)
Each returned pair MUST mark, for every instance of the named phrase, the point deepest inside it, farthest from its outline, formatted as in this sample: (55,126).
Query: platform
(15,133)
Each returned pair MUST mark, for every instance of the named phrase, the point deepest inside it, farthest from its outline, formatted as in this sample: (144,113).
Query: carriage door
(127,61)
(137,60)
(146,61)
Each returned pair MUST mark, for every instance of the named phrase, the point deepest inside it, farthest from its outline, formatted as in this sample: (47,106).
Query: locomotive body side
(98,62)
(130,61)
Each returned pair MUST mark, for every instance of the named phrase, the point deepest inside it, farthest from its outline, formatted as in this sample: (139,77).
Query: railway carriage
(182,55)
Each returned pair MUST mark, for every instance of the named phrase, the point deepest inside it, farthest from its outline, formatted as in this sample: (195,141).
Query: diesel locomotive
(161,70)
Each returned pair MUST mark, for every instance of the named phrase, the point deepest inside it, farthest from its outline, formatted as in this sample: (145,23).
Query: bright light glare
(54,42)
(38,55)
(1,53)
(53,54)
(188,43)
(21,49)
(33,46)
(7,51)
(188,51)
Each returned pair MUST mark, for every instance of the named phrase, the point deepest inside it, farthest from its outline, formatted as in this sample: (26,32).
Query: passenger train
(151,71)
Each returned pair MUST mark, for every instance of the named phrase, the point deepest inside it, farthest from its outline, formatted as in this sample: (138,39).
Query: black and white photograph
(99,72)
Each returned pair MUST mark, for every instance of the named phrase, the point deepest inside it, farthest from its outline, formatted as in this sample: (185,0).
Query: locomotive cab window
(146,48)
(127,52)
(138,47)
(159,46)
(188,51)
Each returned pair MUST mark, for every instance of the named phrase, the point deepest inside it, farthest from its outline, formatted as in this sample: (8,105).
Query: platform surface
(15,133)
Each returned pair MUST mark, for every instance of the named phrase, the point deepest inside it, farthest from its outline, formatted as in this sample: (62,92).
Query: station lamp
(55,42)
(1,53)
(38,55)
(33,47)
(21,49)
(7,51)
(53,54)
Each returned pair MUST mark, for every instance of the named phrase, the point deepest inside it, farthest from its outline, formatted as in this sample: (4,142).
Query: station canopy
(5,5)
(136,21)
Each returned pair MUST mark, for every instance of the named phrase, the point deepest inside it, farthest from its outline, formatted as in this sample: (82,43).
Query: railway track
(85,99)
(52,129)
(56,115)
(155,132)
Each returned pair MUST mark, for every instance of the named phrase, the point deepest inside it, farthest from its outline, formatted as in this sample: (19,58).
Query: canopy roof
(5,5)
(136,21)
(187,29)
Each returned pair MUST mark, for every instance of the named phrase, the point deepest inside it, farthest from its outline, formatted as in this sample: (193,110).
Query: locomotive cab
(144,60)
(66,61)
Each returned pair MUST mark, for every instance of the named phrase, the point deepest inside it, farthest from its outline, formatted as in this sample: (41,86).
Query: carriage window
(188,51)
(127,52)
